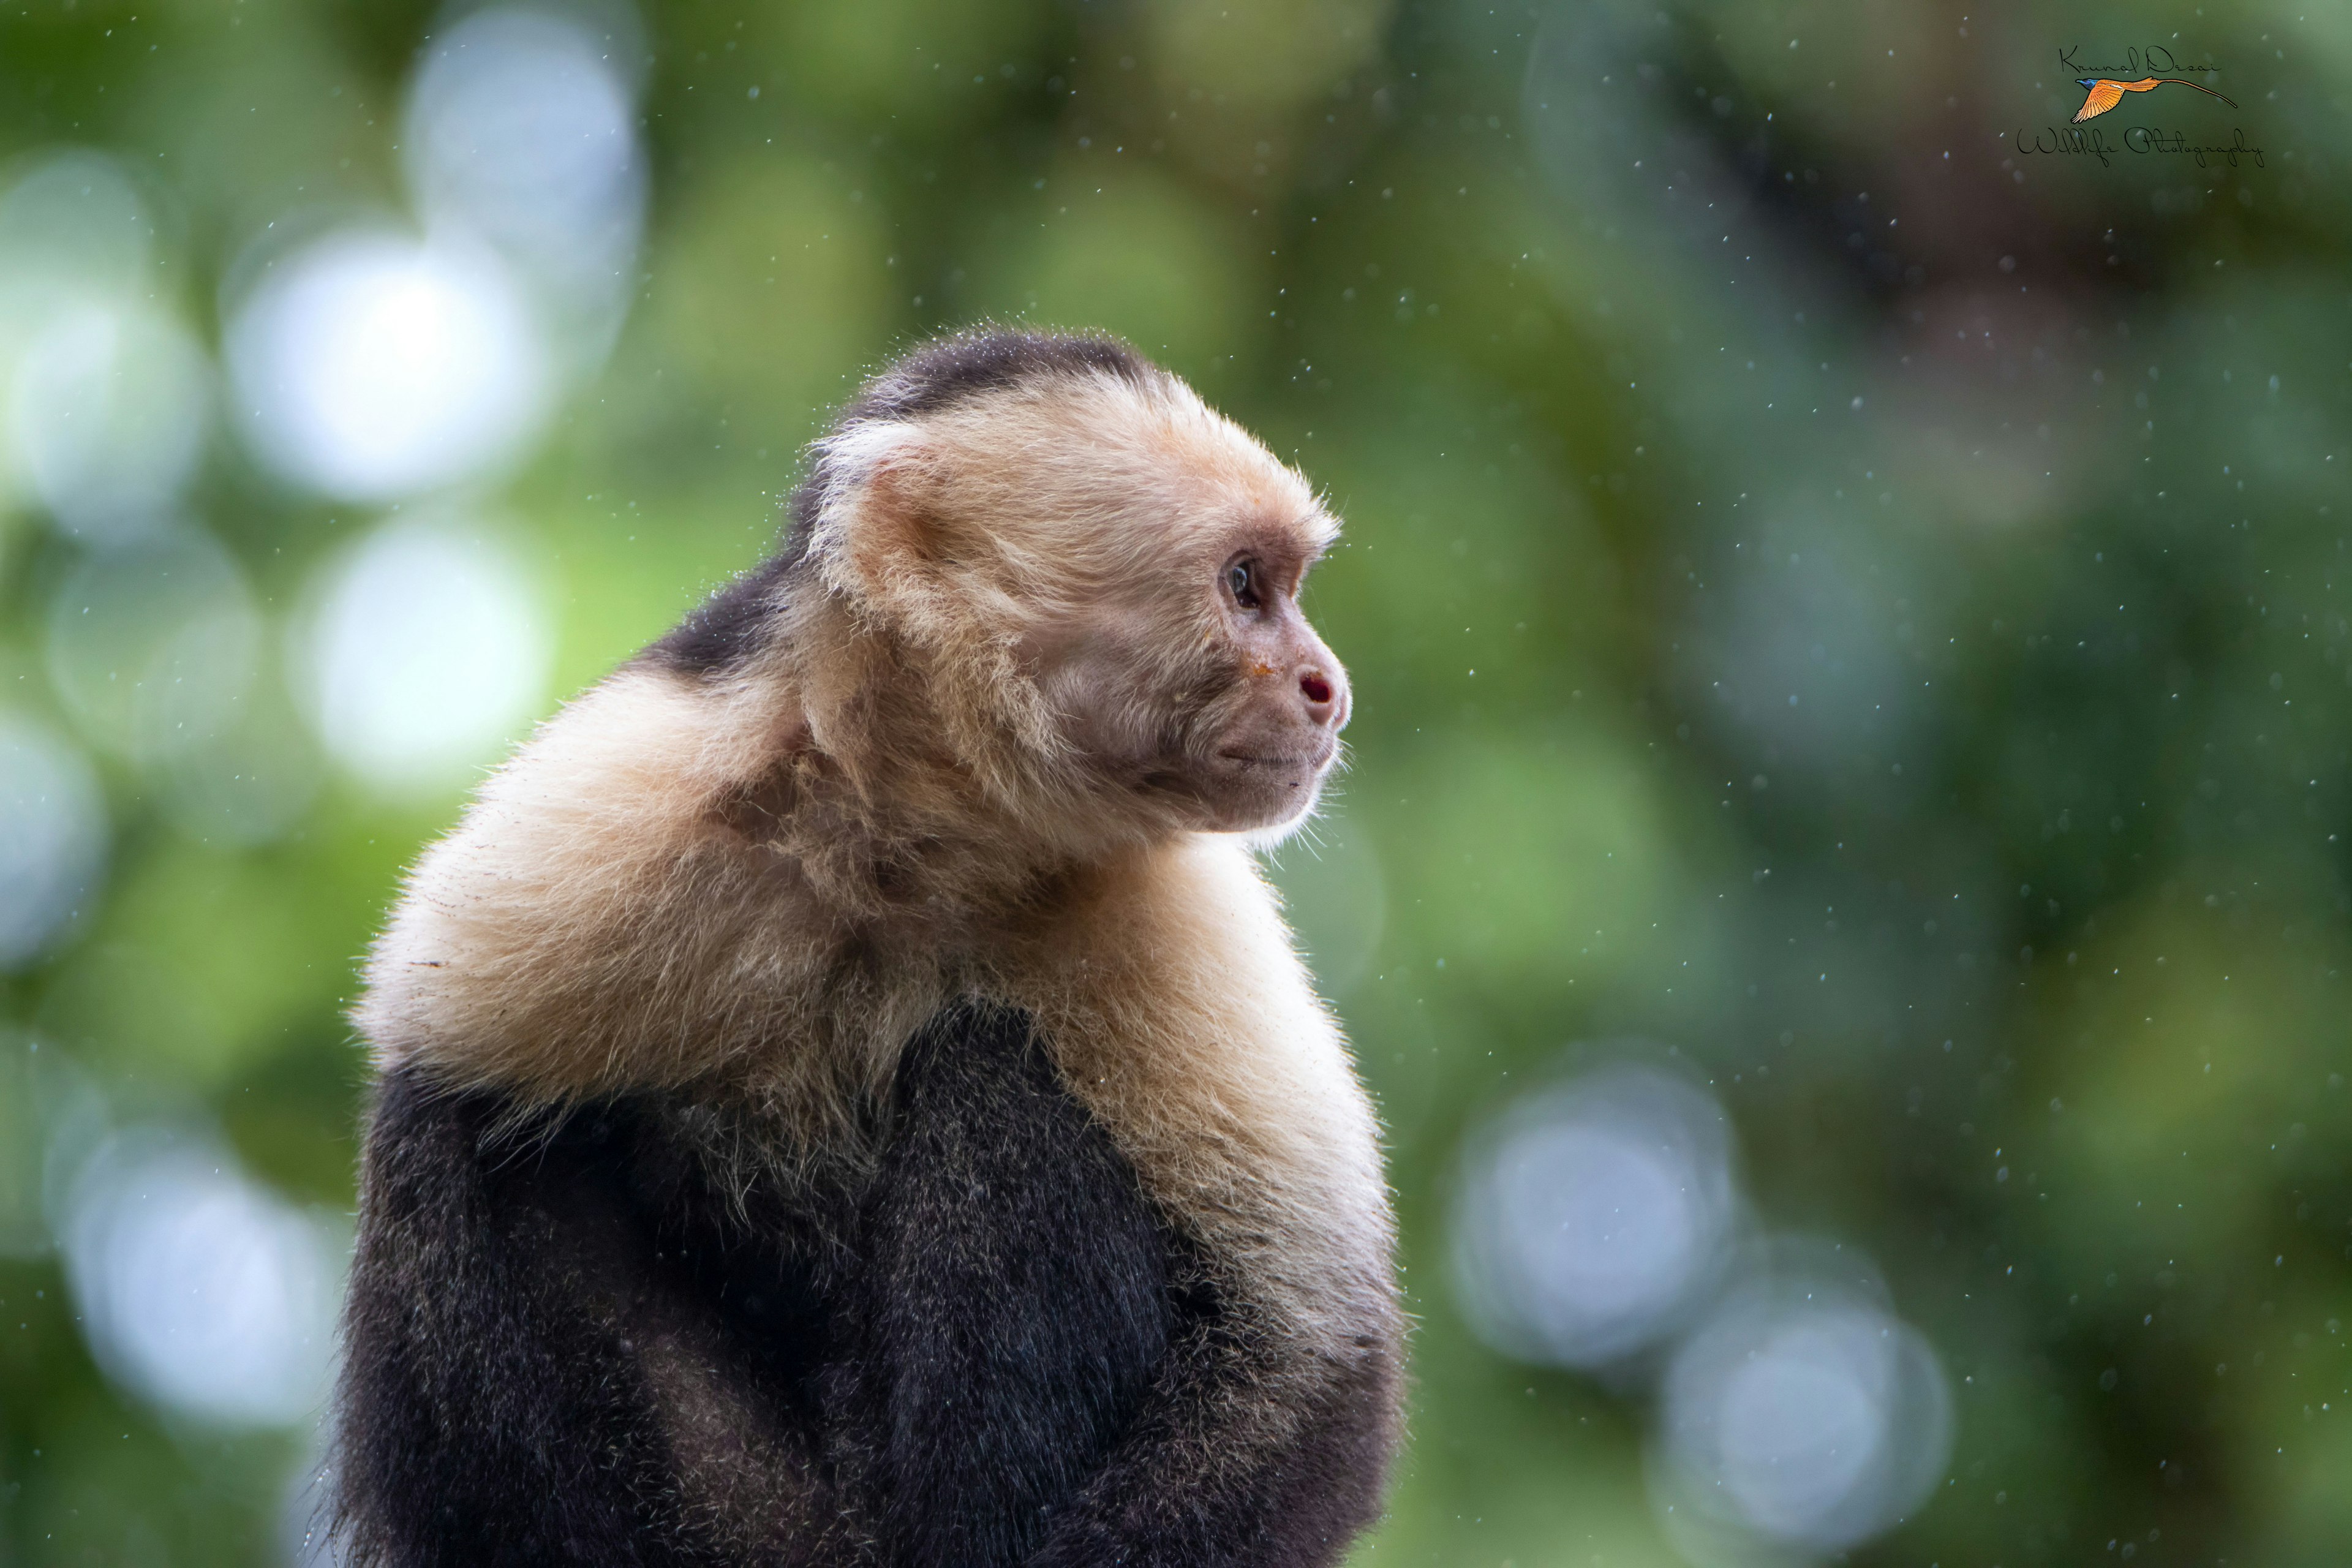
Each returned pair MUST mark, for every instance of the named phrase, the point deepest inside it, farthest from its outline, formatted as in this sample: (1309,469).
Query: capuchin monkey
(846,1094)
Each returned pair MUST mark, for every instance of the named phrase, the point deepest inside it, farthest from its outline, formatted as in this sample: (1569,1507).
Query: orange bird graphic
(2106,92)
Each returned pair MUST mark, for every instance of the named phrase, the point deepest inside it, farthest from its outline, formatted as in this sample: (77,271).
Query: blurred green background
(1845,588)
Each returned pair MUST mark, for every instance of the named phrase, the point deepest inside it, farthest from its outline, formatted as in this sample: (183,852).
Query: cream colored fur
(760,885)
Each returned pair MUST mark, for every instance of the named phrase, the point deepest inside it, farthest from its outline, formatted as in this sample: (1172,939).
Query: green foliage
(1841,600)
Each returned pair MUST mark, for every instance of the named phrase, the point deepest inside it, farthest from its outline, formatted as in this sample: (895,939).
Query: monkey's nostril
(1318,690)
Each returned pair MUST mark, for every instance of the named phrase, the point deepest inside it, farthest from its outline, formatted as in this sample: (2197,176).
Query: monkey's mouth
(1283,762)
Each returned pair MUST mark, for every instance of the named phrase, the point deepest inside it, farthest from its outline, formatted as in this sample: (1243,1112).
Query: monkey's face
(1273,734)
(1100,574)
(1203,686)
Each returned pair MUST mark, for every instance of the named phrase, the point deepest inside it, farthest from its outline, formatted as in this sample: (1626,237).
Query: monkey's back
(623,1333)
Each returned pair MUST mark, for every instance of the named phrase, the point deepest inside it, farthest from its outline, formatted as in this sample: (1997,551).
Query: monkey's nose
(1326,696)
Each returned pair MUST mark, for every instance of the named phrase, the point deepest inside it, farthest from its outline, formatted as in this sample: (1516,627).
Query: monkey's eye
(1241,580)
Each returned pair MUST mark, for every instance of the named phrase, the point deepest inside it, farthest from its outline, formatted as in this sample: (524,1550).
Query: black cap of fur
(731,626)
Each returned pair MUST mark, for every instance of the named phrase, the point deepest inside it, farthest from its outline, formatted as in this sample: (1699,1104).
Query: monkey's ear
(890,545)
(875,539)
(884,541)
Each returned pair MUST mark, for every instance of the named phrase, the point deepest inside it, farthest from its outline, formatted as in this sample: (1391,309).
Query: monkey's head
(1092,577)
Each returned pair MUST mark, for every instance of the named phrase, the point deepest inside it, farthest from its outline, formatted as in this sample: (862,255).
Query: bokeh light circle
(424,651)
(523,131)
(200,1289)
(370,365)
(109,412)
(1803,1412)
(1592,1215)
(53,837)
(154,645)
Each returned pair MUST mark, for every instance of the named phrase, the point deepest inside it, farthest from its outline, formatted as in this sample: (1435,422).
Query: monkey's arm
(484,1418)
(1251,1450)
(1018,1295)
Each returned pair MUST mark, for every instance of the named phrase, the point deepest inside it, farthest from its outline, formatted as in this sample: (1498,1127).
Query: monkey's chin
(1264,797)
(1278,831)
